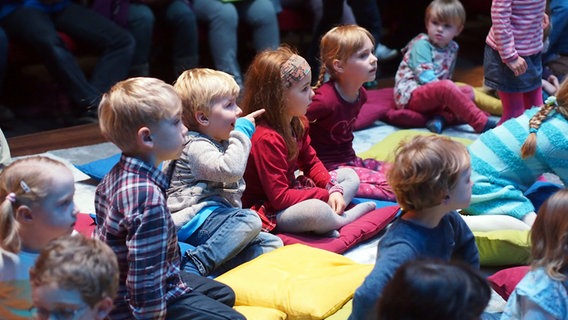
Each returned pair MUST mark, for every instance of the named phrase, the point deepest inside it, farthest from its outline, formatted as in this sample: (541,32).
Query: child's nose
(239,111)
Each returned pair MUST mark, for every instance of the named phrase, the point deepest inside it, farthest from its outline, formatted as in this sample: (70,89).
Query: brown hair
(264,88)
(132,104)
(549,236)
(559,103)
(447,11)
(200,88)
(79,263)
(340,43)
(425,169)
(28,179)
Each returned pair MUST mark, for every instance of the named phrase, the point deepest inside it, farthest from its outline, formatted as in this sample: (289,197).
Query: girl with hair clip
(279,82)
(432,289)
(37,207)
(508,160)
(543,292)
(347,56)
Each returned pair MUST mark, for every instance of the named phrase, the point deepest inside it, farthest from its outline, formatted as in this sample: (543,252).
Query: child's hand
(518,66)
(250,117)
(336,202)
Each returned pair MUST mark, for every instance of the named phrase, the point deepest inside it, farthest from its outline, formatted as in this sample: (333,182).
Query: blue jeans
(223,20)
(3,57)
(38,30)
(181,24)
(227,238)
(559,21)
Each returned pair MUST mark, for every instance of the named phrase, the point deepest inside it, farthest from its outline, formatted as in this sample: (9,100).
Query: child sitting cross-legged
(431,179)
(207,180)
(74,277)
(142,116)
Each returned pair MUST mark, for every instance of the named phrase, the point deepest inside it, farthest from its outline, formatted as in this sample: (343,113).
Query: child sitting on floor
(431,179)
(347,56)
(207,180)
(37,206)
(279,81)
(424,93)
(142,116)
(509,159)
(542,293)
(74,277)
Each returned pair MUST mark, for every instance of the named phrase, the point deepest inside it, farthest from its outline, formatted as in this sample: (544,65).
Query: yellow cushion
(383,149)
(302,281)
(254,313)
(343,313)
(485,101)
(503,247)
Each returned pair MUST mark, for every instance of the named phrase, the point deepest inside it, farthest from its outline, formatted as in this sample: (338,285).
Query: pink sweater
(517,28)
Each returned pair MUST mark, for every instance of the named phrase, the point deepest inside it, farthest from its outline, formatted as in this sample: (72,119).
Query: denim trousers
(228,238)
(3,58)
(38,30)
(181,24)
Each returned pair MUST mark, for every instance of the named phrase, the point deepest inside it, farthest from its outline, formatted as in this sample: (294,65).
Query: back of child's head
(549,236)
(268,76)
(425,169)
(78,263)
(558,103)
(434,289)
(451,11)
(340,43)
(200,88)
(135,103)
(25,181)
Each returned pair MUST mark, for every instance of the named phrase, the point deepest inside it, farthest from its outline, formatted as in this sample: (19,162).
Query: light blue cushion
(98,168)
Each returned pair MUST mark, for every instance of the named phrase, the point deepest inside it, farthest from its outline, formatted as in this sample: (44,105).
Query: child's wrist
(245,126)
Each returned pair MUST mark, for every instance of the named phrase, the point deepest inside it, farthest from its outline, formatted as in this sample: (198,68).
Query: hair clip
(11,197)
(550,101)
(25,186)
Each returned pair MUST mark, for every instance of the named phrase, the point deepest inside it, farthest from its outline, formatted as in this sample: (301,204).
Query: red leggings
(515,103)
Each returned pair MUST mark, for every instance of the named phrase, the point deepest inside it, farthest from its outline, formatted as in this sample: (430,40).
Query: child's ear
(338,66)
(201,118)
(24,214)
(103,308)
(460,29)
(144,136)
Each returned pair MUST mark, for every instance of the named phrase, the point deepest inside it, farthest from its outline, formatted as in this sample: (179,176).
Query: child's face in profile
(362,65)
(460,196)
(299,96)
(52,302)
(222,117)
(56,214)
(441,33)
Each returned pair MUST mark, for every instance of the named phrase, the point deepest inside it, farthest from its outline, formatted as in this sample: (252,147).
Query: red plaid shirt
(132,218)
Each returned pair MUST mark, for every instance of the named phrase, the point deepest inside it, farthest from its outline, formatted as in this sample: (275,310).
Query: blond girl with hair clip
(279,82)
(508,160)
(543,292)
(38,207)
(346,53)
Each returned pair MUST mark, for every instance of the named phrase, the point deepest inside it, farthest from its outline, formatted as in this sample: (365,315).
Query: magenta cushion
(505,281)
(379,101)
(359,230)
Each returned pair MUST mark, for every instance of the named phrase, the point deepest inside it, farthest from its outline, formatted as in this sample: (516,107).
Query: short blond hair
(200,88)
(79,263)
(135,103)
(425,169)
(451,11)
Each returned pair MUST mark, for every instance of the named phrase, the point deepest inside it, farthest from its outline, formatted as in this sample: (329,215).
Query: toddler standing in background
(430,176)
(512,62)
(424,93)
(37,206)
(279,82)
(543,292)
(74,277)
(347,56)
(207,183)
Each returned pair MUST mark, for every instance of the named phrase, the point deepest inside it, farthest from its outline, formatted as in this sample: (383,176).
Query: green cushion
(384,149)
(503,247)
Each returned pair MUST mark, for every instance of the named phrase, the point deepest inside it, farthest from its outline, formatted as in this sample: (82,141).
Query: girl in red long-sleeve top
(314,201)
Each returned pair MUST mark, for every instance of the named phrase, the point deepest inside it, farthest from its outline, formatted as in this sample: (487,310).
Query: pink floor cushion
(379,101)
(85,224)
(350,235)
(505,281)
